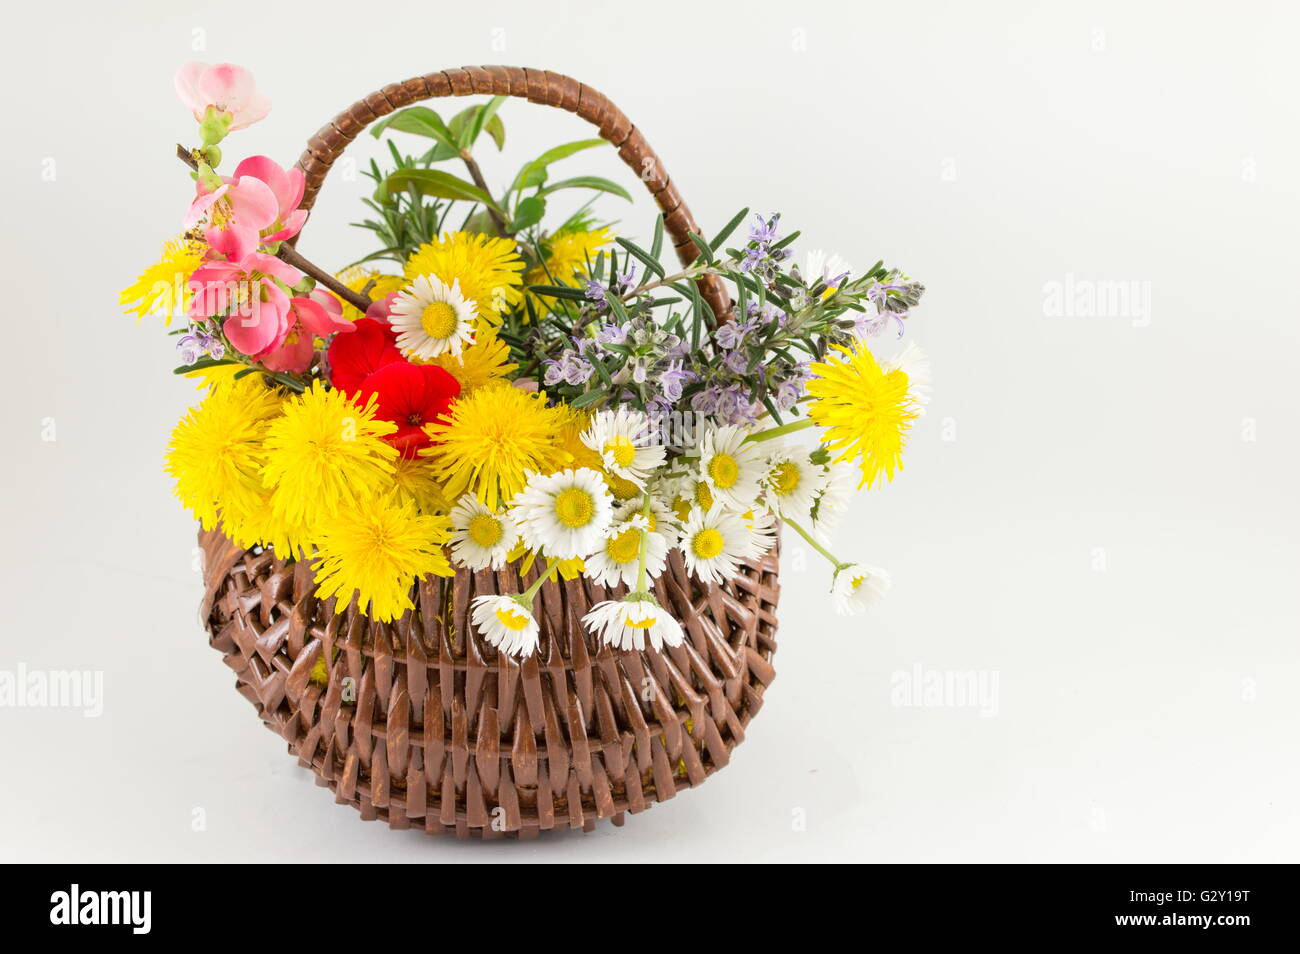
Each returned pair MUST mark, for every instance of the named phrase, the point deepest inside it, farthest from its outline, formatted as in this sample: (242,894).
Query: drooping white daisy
(619,557)
(629,622)
(432,318)
(622,438)
(833,502)
(792,482)
(564,515)
(507,623)
(762,531)
(714,542)
(911,360)
(480,538)
(731,467)
(857,586)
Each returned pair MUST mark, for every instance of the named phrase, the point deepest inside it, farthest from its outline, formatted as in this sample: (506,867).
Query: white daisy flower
(792,482)
(507,623)
(762,532)
(619,558)
(480,538)
(833,502)
(627,623)
(564,515)
(731,467)
(857,586)
(662,519)
(912,362)
(622,439)
(432,318)
(714,543)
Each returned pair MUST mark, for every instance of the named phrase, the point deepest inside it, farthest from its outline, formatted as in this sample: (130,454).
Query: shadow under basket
(423,724)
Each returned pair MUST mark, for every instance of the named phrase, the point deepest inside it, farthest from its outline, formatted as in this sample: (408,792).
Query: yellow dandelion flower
(567,258)
(415,482)
(375,551)
(162,288)
(259,526)
(324,454)
(215,375)
(487,269)
(573,422)
(490,440)
(215,453)
(357,277)
(866,410)
(487,359)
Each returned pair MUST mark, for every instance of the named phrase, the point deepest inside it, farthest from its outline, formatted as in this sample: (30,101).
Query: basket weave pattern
(439,731)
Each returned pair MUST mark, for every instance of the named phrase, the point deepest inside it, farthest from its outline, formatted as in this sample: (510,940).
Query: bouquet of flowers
(498,384)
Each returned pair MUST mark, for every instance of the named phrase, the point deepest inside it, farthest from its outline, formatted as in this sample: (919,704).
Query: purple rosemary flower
(197,343)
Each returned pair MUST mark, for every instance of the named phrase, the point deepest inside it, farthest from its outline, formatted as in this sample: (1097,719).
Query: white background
(1084,513)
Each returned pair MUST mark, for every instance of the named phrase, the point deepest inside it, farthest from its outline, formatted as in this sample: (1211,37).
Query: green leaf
(588,182)
(558,291)
(706,253)
(486,113)
(497,130)
(442,185)
(643,256)
(657,246)
(534,173)
(529,212)
(728,229)
(582,400)
(420,120)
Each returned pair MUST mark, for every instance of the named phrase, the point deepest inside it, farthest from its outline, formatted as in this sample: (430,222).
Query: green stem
(530,594)
(644,549)
(836,562)
(774,432)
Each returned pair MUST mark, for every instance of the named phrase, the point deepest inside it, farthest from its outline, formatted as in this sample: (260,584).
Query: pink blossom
(249,295)
(257,205)
(317,316)
(227,88)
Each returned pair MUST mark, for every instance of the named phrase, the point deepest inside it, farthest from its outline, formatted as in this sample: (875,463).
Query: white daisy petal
(622,438)
(506,623)
(480,538)
(432,318)
(731,467)
(714,544)
(564,515)
(911,360)
(618,559)
(792,482)
(857,586)
(833,501)
(629,622)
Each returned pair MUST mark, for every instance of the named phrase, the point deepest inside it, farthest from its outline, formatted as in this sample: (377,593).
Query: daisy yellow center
(707,544)
(643,623)
(622,489)
(785,478)
(439,320)
(485,530)
(574,507)
(682,507)
(511,619)
(622,450)
(703,496)
(625,547)
(724,470)
(856,581)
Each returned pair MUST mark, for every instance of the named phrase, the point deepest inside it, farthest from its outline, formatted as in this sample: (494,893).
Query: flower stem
(530,594)
(835,561)
(781,431)
(644,549)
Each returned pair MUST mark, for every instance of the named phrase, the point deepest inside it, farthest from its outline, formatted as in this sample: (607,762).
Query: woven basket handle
(538,86)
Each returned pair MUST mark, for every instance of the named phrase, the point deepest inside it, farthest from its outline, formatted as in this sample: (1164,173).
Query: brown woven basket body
(424,724)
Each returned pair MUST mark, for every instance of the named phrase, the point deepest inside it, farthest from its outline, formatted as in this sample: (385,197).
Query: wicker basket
(423,723)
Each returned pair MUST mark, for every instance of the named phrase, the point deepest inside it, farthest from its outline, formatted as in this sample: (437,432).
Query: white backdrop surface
(1098,516)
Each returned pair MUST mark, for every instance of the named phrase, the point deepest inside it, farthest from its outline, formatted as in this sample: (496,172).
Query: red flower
(353,357)
(410,395)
